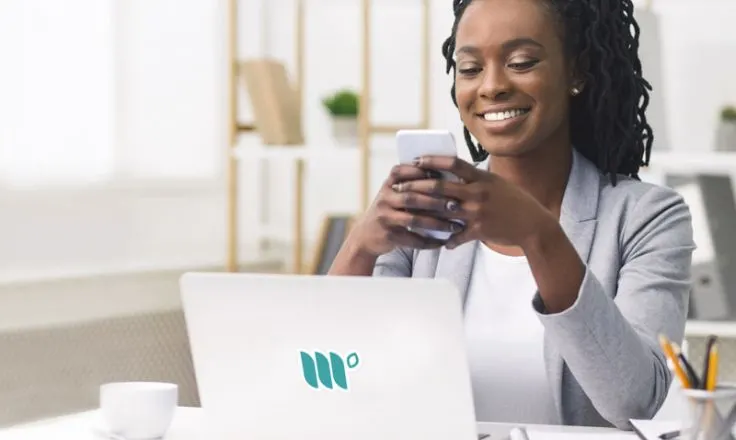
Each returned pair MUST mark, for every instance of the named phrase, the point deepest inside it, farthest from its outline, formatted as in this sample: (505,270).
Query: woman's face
(513,81)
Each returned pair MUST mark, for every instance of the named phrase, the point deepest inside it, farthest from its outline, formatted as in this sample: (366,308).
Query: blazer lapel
(578,220)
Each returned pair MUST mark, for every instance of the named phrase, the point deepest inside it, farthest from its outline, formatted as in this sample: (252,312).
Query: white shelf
(696,162)
(307,152)
(722,329)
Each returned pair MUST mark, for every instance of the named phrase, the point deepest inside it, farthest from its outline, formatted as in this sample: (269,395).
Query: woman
(569,266)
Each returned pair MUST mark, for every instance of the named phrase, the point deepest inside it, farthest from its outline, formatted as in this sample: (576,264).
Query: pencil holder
(712,414)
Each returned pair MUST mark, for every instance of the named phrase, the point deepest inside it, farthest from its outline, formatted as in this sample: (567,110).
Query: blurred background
(140,139)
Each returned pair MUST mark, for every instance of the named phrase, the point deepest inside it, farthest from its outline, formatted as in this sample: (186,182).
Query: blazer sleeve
(396,263)
(611,345)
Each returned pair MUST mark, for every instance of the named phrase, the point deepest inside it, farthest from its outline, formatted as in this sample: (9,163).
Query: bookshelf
(299,155)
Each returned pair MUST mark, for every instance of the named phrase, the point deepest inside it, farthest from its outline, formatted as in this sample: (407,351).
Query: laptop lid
(301,356)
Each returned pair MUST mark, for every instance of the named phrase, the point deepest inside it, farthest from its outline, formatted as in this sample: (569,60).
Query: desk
(187,425)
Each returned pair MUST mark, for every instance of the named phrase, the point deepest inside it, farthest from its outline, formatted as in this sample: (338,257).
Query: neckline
(497,256)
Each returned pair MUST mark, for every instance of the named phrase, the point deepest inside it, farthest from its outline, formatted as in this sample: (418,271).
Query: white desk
(187,425)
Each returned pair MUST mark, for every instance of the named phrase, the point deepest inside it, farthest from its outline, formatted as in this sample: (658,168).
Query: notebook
(652,429)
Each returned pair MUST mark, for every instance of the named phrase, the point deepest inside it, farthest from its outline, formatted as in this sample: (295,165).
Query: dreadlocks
(608,124)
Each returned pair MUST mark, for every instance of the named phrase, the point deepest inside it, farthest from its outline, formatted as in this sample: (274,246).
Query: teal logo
(329,370)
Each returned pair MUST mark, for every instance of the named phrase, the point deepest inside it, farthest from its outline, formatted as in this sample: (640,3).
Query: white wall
(171,74)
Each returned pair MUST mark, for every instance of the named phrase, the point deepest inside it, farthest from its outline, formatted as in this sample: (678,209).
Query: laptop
(321,357)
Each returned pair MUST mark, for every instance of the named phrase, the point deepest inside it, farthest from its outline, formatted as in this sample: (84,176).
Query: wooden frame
(366,128)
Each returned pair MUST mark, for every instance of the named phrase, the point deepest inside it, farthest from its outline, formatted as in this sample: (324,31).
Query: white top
(505,342)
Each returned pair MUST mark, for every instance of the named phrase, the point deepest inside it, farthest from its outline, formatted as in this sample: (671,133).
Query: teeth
(502,116)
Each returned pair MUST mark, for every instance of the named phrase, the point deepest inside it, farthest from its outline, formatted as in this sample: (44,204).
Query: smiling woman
(569,266)
(542,58)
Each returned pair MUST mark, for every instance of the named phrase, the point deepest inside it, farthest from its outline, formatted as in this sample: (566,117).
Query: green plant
(728,114)
(342,103)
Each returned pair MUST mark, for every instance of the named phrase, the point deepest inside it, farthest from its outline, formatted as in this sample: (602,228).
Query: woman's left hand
(493,209)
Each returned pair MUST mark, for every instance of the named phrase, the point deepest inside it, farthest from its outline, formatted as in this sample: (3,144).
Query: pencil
(712,368)
(669,352)
(706,360)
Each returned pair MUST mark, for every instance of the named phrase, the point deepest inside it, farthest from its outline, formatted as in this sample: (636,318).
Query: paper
(652,429)
(582,435)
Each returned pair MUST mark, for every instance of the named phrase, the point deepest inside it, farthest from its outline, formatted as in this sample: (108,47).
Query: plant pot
(726,136)
(345,130)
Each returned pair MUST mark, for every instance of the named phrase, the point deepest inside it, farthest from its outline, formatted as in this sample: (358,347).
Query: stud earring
(575,91)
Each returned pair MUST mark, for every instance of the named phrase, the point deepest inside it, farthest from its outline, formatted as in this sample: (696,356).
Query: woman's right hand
(392,217)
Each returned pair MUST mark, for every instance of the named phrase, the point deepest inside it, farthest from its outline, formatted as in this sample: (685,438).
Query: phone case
(415,143)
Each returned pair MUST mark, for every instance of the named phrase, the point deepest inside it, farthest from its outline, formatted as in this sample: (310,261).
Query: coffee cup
(138,410)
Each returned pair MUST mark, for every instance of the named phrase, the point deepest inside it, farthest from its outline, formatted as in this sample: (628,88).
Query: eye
(526,65)
(469,71)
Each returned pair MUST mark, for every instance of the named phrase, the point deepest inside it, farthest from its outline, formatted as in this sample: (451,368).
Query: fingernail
(417,161)
(452,206)
(396,187)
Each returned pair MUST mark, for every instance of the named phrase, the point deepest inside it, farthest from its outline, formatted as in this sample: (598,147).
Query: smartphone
(412,144)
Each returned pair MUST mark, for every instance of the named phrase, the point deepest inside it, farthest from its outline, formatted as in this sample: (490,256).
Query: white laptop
(316,357)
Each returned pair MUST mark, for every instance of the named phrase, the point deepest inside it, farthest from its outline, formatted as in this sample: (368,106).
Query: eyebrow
(507,46)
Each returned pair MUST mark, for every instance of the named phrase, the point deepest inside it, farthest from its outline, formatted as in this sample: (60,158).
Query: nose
(496,84)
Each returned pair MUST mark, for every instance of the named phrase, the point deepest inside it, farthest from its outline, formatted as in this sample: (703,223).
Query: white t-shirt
(505,342)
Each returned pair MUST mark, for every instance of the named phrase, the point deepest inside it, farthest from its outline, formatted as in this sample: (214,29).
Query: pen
(670,435)
(695,382)
(669,352)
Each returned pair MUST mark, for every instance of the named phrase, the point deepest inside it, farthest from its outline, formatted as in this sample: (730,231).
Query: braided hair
(608,124)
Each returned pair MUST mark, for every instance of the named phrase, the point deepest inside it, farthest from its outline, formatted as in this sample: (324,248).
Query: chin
(507,148)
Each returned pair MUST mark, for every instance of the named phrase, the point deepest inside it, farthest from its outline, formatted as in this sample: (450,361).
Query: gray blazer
(603,359)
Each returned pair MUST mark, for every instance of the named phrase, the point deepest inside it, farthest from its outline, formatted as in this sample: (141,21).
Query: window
(57,88)
(96,90)
(113,126)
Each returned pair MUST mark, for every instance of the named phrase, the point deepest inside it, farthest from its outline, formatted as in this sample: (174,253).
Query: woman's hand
(394,214)
(493,209)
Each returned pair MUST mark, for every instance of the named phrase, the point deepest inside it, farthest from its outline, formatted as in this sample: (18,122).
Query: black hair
(608,124)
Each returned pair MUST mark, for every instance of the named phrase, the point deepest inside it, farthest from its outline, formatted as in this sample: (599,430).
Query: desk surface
(187,425)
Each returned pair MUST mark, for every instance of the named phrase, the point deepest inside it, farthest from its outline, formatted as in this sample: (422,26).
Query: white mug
(138,410)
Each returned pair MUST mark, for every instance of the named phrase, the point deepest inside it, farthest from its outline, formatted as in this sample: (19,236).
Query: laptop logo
(327,370)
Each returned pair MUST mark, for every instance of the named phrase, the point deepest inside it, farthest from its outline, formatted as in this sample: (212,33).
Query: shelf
(695,162)
(316,152)
(722,329)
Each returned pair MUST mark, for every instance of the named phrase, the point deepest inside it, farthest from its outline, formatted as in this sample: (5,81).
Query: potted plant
(726,138)
(343,107)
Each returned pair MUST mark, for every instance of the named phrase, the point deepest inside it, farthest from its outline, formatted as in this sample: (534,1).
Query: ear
(577,68)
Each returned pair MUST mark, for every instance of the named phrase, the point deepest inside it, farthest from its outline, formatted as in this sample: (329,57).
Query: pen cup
(712,414)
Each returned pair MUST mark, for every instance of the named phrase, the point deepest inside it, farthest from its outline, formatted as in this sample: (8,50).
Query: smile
(505,115)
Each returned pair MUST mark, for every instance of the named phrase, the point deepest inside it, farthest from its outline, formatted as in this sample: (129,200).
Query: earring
(575,91)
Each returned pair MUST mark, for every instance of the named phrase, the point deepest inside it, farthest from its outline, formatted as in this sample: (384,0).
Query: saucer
(102,434)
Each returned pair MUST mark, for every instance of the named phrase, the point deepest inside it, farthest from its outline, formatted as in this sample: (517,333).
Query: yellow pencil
(670,353)
(712,368)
